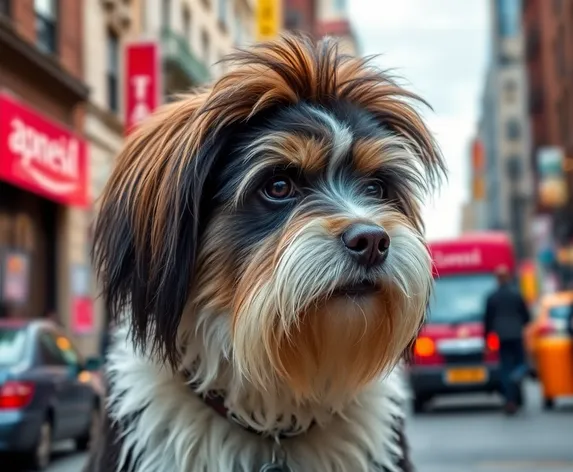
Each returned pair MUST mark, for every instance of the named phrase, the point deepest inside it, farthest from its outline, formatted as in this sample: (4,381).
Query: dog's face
(285,199)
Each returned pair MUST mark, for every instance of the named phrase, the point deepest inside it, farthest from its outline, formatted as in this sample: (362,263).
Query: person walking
(506,315)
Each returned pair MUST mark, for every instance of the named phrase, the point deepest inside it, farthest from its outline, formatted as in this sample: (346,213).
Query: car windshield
(12,342)
(460,298)
(560,312)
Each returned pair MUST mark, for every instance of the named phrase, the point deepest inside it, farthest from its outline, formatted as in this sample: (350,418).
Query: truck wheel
(548,404)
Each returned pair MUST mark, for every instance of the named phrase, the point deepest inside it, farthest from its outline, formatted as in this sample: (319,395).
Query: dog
(260,243)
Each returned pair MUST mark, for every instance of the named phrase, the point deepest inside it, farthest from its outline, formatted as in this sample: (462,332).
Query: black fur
(155,299)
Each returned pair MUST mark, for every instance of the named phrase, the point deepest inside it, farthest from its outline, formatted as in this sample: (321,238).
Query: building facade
(195,35)
(506,197)
(474,211)
(44,163)
(191,36)
(548,30)
(108,26)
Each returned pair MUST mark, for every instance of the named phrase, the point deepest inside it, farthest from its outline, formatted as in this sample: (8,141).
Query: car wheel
(419,404)
(548,403)
(41,454)
(84,443)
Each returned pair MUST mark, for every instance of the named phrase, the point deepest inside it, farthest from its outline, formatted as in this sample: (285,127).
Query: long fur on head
(182,242)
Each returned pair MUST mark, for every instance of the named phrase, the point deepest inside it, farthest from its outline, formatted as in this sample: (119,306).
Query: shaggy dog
(261,246)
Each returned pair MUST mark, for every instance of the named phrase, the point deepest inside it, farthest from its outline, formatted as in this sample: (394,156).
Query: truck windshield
(460,298)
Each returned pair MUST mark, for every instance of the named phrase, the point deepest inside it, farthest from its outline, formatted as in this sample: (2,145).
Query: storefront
(44,189)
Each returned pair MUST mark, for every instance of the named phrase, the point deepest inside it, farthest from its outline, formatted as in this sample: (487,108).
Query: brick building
(548,29)
(44,163)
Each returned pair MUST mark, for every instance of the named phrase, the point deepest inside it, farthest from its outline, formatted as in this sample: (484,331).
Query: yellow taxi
(551,348)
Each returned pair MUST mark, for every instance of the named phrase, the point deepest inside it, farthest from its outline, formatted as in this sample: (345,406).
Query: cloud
(440,48)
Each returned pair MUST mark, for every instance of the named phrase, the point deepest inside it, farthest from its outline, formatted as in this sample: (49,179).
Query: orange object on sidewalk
(555,367)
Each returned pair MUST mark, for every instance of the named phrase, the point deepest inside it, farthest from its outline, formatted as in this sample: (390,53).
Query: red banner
(42,156)
(142,81)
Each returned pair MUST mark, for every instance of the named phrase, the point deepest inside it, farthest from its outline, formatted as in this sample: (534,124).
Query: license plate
(466,376)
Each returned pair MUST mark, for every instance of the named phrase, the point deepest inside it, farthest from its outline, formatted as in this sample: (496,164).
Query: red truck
(450,353)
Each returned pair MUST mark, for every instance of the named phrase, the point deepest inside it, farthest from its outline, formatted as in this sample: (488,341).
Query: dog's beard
(291,327)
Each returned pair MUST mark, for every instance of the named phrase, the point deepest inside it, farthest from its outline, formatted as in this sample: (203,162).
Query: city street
(455,437)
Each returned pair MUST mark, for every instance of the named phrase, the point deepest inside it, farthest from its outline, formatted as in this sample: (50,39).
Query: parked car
(46,391)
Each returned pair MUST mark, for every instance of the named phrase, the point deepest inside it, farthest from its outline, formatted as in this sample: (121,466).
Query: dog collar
(216,400)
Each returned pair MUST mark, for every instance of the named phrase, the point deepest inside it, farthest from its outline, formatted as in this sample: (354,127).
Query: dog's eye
(374,189)
(279,188)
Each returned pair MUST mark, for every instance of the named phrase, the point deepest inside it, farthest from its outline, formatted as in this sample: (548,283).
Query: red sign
(472,254)
(41,156)
(82,315)
(142,81)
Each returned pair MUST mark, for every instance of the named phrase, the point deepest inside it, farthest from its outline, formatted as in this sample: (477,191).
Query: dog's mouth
(359,289)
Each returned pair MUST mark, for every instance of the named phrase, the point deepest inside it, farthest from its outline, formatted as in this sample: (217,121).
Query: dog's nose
(368,243)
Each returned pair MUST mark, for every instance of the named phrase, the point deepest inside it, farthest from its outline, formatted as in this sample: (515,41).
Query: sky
(440,50)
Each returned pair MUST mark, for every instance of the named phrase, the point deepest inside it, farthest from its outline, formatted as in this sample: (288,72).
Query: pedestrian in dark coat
(506,315)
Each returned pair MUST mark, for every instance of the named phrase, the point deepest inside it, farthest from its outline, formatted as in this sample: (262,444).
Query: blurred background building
(549,38)
(44,161)
(521,160)
(501,173)
(320,18)
(68,95)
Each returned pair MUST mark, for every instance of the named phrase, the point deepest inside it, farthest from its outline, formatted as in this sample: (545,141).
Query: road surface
(453,437)
(471,435)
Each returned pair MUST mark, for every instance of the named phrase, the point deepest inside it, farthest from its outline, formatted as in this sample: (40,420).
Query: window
(513,129)
(187,24)
(112,71)
(514,167)
(49,350)
(510,91)
(57,349)
(509,17)
(67,350)
(460,299)
(165,14)
(46,25)
(206,47)
(222,12)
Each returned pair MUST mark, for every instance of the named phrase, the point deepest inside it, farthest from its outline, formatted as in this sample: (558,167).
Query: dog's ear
(149,222)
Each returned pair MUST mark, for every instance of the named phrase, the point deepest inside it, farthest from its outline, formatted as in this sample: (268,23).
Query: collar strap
(216,400)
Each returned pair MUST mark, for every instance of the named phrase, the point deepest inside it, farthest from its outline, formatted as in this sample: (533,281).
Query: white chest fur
(170,429)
